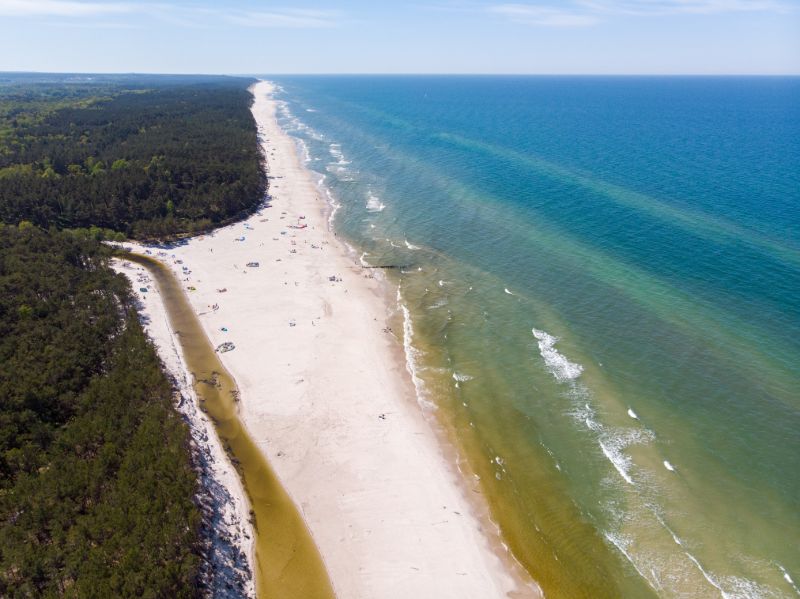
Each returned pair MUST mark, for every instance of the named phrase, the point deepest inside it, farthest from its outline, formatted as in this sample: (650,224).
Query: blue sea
(598,283)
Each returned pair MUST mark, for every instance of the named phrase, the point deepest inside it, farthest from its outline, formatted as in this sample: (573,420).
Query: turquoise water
(601,280)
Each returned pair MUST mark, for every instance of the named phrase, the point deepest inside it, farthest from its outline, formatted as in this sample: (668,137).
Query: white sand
(330,402)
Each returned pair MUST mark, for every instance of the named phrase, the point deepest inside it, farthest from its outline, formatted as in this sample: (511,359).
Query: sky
(425,36)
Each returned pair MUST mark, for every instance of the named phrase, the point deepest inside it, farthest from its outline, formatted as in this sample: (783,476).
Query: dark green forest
(96,484)
(147,158)
(98,495)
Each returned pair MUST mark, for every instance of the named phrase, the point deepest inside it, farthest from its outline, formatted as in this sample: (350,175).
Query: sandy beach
(326,394)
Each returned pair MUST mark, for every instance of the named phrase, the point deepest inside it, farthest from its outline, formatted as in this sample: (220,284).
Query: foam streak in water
(561,368)
(788,579)
(612,441)
(622,543)
(334,204)
(336,152)
(707,576)
(412,354)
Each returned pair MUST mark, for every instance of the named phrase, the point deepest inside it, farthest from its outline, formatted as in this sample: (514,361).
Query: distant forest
(147,158)
(97,490)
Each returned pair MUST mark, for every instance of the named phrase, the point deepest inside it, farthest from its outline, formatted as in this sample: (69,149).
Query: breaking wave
(412,354)
(558,365)
(461,377)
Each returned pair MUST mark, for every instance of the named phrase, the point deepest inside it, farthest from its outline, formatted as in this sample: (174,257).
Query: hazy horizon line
(396,74)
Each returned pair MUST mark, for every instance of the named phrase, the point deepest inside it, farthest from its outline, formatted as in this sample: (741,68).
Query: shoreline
(326,396)
(449,446)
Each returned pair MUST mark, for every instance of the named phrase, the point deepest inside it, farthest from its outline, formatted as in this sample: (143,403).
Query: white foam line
(558,365)
(306,152)
(618,542)
(612,441)
(708,576)
(335,206)
(788,579)
(412,354)
(612,444)
(675,537)
(615,458)
(336,151)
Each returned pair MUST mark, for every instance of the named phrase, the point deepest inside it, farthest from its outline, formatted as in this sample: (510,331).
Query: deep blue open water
(602,284)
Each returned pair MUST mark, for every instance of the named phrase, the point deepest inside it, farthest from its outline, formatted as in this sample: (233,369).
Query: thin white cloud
(61,8)
(183,15)
(581,13)
(543,15)
(289,18)
(678,7)
(99,25)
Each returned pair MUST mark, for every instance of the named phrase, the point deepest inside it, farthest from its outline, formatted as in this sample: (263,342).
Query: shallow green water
(601,282)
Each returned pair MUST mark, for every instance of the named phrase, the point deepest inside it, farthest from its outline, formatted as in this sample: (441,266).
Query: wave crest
(562,369)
